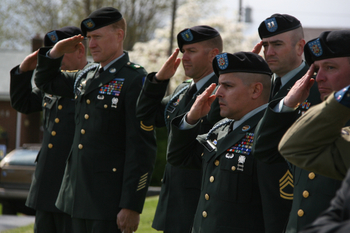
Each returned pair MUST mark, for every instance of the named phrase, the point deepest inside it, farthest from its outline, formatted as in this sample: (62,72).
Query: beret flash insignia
(222,61)
(53,36)
(89,23)
(271,24)
(187,35)
(315,47)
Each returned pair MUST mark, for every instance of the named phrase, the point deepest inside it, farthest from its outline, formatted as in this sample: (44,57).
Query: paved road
(13,221)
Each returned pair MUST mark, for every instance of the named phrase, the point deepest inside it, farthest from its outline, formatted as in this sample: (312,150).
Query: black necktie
(276,87)
(190,92)
(97,75)
(230,129)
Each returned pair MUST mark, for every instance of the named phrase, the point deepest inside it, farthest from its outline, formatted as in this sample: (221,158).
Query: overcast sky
(311,13)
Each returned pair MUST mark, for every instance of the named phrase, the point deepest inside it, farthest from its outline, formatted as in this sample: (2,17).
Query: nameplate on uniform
(209,145)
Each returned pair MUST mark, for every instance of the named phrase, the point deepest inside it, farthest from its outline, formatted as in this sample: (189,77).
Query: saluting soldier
(181,187)
(112,156)
(316,141)
(58,126)
(283,42)
(231,199)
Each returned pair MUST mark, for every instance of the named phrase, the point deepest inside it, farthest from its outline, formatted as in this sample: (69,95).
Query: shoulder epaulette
(133,65)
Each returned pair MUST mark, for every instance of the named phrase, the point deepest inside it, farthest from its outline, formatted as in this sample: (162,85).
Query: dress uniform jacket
(231,199)
(312,192)
(180,187)
(113,154)
(318,142)
(58,126)
(336,219)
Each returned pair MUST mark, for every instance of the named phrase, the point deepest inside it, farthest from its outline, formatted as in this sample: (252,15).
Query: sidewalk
(14,221)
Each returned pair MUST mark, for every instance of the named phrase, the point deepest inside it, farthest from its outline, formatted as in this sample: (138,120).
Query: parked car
(16,171)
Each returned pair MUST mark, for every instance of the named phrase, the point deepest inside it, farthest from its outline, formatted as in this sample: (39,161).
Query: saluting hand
(29,63)
(169,67)
(201,106)
(68,45)
(300,90)
(257,48)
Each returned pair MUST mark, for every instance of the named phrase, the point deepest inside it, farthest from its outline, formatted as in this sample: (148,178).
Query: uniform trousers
(52,222)
(94,226)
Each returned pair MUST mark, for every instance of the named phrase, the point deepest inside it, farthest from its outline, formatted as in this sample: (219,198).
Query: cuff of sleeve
(185,125)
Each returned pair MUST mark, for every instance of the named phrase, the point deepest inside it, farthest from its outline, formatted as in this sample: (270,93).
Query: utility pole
(240,11)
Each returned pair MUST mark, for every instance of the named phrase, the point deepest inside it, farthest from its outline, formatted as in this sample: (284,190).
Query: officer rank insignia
(112,88)
(89,23)
(315,47)
(244,146)
(271,24)
(187,35)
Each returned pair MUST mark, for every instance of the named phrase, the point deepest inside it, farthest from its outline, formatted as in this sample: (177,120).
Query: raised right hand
(169,68)
(29,63)
(68,45)
(201,106)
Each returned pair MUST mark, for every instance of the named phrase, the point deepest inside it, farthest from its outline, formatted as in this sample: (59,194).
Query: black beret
(245,62)
(329,44)
(52,37)
(277,24)
(100,18)
(195,34)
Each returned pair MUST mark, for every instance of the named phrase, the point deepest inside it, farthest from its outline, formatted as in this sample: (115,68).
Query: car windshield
(21,157)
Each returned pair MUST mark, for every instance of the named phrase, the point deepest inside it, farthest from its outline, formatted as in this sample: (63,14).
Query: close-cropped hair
(121,24)
(213,43)
(297,35)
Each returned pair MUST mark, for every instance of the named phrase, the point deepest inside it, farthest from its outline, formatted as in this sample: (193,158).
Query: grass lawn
(144,227)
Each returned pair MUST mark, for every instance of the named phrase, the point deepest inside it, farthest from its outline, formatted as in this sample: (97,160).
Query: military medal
(100,97)
(241,161)
(230,155)
(114,102)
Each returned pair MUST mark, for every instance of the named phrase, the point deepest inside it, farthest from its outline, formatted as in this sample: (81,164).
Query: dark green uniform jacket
(113,153)
(231,198)
(312,193)
(58,127)
(180,187)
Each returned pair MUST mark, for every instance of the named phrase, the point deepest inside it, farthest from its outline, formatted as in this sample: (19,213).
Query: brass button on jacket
(80,146)
(88,101)
(300,213)
(211,179)
(59,107)
(204,214)
(86,116)
(57,120)
(53,133)
(50,145)
(306,194)
(312,175)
